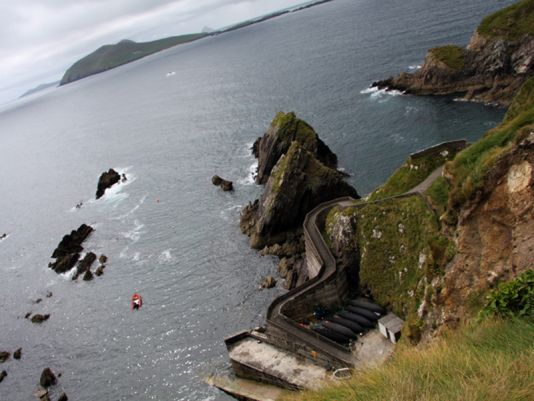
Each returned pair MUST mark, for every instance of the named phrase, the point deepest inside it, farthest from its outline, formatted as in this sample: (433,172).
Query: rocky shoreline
(491,69)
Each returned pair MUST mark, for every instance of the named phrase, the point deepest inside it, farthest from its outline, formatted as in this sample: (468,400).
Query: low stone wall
(451,146)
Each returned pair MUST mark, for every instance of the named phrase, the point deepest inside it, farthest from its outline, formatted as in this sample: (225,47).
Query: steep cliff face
(497,61)
(433,258)
(286,128)
(297,184)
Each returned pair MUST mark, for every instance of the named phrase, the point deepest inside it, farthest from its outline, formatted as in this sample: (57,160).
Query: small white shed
(390,326)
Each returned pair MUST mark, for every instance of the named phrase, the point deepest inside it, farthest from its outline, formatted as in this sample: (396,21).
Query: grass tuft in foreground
(490,361)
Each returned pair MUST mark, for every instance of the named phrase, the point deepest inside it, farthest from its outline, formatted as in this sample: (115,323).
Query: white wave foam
(135,233)
(414,67)
(250,179)
(170,74)
(115,194)
(165,256)
(136,256)
(381,94)
(133,210)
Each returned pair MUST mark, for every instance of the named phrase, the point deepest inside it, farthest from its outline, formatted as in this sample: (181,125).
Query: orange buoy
(137,301)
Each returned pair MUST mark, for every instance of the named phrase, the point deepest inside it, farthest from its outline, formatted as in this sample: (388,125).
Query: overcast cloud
(40,39)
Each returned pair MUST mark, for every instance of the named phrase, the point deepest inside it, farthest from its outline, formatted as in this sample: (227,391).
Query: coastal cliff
(111,56)
(497,61)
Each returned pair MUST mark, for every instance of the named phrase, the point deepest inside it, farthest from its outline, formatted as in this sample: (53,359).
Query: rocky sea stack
(497,61)
(299,173)
(106,180)
(289,162)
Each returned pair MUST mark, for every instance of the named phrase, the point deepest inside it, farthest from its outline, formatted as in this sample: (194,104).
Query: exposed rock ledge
(497,61)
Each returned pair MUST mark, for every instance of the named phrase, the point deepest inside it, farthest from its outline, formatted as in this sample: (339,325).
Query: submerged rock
(38,318)
(102,259)
(3,374)
(99,271)
(286,128)
(107,180)
(4,356)
(221,182)
(17,354)
(63,397)
(47,378)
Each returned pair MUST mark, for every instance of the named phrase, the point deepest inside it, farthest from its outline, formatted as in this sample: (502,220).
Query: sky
(40,39)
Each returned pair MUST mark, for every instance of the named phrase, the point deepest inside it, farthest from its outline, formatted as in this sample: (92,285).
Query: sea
(169,122)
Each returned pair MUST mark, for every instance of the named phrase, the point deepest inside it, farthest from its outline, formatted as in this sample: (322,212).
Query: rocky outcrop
(225,185)
(268,282)
(84,265)
(63,397)
(17,354)
(106,180)
(297,184)
(3,374)
(48,378)
(38,318)
(284,129)
(4,356)
(497,61)
(495,237)
(68,250)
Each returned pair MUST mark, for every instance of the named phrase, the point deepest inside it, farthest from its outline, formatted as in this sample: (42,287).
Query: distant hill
(40,88)
(111,56)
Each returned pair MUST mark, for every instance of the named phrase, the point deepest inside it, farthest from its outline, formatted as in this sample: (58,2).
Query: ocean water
(169,122)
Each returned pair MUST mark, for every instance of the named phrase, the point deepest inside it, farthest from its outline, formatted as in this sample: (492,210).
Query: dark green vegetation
(511,22)
(111,56)
(522,101)
(513,298)
(490,361)
(438,194)
(451,55)
(400,251)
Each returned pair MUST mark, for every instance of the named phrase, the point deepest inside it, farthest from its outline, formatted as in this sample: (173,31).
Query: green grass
(400,251)
(438,193)
(510,23)
(410,174)
(523,100)
(470,166)
(450,55)
(488,361)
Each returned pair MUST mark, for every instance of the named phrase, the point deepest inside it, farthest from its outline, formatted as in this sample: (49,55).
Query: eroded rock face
(297,184)
(489,70)
(68,250)
(47,378)
(268,282)
(106,180)
(85,265)
(495,237)
(284,129)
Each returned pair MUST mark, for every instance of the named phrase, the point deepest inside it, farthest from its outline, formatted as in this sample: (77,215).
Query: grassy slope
(411,173)
(490,361)
(511,22)
(451,55)
(111,56)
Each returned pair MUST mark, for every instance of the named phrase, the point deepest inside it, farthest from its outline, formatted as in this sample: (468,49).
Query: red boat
(137,301)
